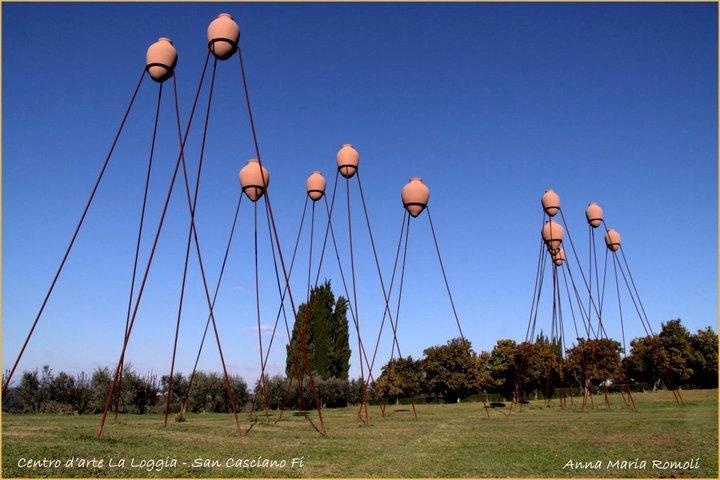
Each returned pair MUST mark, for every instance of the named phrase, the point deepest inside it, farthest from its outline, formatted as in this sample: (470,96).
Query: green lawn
(446,441)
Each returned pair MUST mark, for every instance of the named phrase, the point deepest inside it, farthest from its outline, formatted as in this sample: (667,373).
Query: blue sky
(491,104)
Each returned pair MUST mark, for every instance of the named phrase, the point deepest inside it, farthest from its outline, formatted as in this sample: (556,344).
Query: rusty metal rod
(75,234)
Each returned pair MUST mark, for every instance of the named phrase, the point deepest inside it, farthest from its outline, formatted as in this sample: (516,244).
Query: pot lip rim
(316,171)
(346,145)
(416,178)
(225,15)
(165,39)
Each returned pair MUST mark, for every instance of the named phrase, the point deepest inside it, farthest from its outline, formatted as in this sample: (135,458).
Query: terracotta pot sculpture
(415,196)
(559,257)
(160,59)
(550,202)
(594,214)
(251,180)
(552,234)
(348,160)
(223,35)
(612,240)
(315,185)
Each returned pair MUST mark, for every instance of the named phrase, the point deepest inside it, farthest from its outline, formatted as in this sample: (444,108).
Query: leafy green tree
(339,357)
(180,387)
(598,359)
(62,388)
(334,392)
(674,357)
(502,366)
(451,370)
(240,389)
(541,365)
(705,365)
(646,361)
(99,386)
(675,341)
(326,336)
(485,380)
(206,393)
(81,394)
(209,393)
(354,391)
(138,393)
(29,390)
(276,386)
(12,402)
(46,378)
(400,378)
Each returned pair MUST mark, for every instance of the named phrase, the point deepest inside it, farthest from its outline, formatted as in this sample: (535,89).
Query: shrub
(334,392)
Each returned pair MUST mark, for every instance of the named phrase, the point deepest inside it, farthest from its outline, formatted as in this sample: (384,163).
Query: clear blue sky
(490,104)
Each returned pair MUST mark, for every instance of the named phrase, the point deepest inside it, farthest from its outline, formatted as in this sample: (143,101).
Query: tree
(275,386)
(675,341)
(82,394)
(354,391)
(29,390)
(46,377)
(674,357)
(240,390)
(646,361)
(597,360)
(209,393)
(451,369)
(541,364)
(400,378)
(339,357)
(62,388)
(326,336)
(485,380)
(139,394)
(180,386)
(12,402)
(70,393)
(99,387)
(705,365)
(334,392)
(502,366)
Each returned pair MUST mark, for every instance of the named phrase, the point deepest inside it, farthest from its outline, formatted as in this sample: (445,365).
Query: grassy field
(446,441)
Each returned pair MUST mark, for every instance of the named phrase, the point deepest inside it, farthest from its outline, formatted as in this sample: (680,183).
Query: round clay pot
(223,35)
(559,257)
(315,185)
(347,160)
(594,215)
(415,195)
(612,240)
(160,60)
(550,202)
(552,234)
(251,180)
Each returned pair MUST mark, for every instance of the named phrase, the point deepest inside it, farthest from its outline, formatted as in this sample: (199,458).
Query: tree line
(673,358)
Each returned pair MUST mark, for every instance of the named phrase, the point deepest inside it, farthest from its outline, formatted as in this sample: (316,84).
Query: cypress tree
(326,335)
(340,341)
